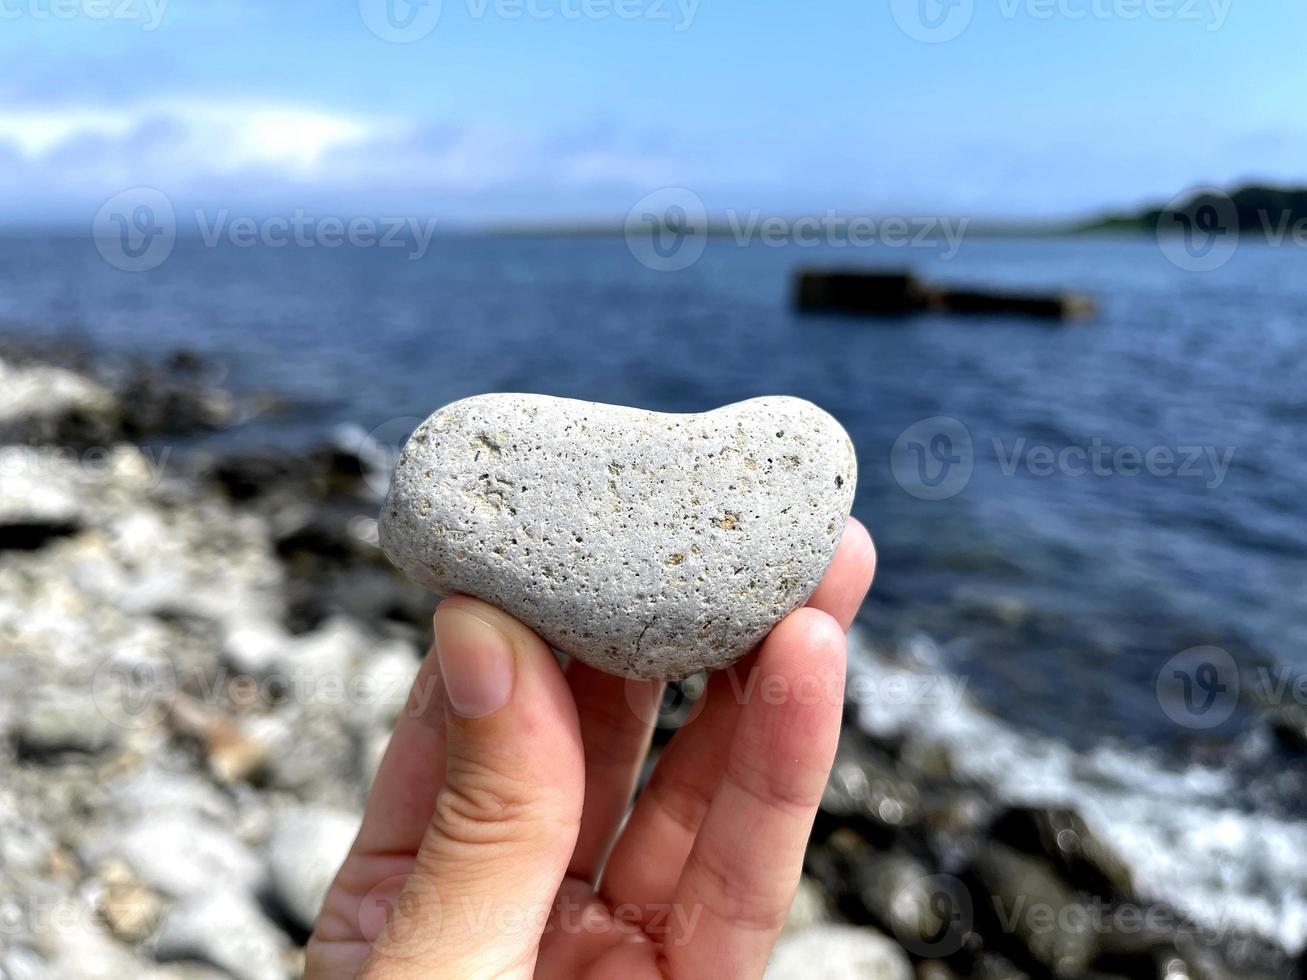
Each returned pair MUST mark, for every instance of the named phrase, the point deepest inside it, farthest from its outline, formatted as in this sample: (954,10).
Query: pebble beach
(205,652)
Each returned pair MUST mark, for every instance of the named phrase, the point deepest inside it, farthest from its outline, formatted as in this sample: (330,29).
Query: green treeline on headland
(1250,207)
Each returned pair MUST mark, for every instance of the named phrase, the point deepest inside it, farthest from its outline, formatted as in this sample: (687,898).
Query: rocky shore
(203,655)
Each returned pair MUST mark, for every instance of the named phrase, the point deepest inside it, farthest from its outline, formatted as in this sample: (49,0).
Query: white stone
(645,544)
(838,952)
(182,854)
(307,846)
(65,721)
(34,399)
(226,930)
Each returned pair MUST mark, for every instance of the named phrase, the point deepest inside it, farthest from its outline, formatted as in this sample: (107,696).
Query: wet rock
(838,952)
(929,914)
(372,594)
(866,785)
(1226,954)
(832,860)
(1061,835)
(1022,905)
(305,850)
(991,966)
(158,402)
(44,404)
(644,544)
(247,476)
(1289,726)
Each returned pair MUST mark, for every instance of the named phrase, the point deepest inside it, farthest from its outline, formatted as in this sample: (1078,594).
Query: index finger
(846,582)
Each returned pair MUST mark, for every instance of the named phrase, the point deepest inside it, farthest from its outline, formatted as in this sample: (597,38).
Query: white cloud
(267,155)
(206,136)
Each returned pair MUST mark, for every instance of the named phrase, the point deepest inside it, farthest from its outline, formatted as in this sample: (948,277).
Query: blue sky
(538,110)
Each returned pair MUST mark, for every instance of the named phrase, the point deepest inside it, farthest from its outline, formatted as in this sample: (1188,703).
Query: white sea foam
(1176,828)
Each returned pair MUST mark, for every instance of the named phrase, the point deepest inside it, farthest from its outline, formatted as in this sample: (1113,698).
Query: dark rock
(342,469)
(935,970)
(1289,725)
(930,915)
(249,475)
(1025,911)
(1057,306)
(276,477)
(866,786)
(319,537)
(899,294)
(155,402)
(992,966)
(34,535)
(1061,835)
(859,291)
(1224,954)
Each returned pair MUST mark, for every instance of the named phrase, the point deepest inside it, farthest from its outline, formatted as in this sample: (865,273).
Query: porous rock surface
(645,544)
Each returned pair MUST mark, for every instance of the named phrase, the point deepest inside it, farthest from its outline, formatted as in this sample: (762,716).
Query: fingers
(646,862)
(741,874)
(667,815)
(617,716)
(505,821)
(842,589)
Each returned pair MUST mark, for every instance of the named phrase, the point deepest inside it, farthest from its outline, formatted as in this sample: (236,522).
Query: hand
(507,779)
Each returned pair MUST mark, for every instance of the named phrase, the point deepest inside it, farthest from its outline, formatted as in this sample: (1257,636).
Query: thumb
(506,819)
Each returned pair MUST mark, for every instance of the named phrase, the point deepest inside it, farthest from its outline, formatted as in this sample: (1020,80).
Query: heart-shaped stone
(644,544)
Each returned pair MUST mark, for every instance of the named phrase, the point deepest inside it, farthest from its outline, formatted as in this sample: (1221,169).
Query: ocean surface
(1098,532)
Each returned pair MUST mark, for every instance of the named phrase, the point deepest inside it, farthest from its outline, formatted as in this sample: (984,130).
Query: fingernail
(476,662)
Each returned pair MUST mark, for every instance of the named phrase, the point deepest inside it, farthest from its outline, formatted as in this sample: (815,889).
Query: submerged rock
(646,545)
